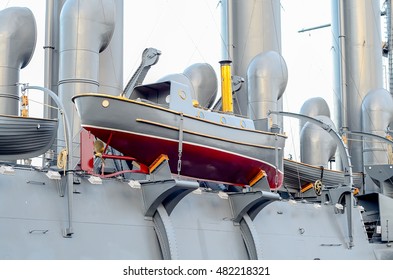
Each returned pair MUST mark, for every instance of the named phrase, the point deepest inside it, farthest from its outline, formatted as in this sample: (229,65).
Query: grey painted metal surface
(377,114)
(249,28)
(312,107)
(363,65)
(22,138)
(107,220)
(203,79)
(111,59)
(51,52)
(382,174)
(312,154)
(109,224)
(348,178)
(18,39)
(150,57)
(267,78)
(115,220)
(312,138)
(85,30)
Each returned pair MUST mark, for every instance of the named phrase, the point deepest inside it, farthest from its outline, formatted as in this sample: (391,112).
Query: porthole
(105,103)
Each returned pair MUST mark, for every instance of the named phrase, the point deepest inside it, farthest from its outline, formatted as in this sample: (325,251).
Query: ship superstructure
(167,170)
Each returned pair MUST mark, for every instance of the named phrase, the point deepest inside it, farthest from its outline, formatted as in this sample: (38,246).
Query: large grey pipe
(111,59)
(51,52)
(86,28)
(312,138)
(204,83)
(249,28)
(267,78)
(362,66)
(312,107)
(18,36)
(377,114)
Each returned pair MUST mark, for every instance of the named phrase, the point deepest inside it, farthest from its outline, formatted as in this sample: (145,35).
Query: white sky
(188,31)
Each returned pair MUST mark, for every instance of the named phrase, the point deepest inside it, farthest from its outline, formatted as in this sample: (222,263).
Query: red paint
(86,151)
(199,162)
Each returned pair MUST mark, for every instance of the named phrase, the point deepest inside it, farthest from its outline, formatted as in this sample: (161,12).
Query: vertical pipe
(227,30)
(51,58)
(226,86)
(111,59)
(362,65)
(343,77)
(251,27)
(48,47)
(70,175)
(17,43)
(86,28)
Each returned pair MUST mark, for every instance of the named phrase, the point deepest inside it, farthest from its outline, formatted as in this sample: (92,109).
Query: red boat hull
(197,161)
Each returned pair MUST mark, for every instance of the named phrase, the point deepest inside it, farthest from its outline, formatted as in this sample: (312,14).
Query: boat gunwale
(28,118)
(120,98)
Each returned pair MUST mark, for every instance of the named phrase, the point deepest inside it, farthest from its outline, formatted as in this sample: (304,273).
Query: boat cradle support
(245,207)
(161,188)
(164,192)
(161,193)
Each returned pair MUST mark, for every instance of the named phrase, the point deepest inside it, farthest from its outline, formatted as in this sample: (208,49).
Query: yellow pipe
(226,86)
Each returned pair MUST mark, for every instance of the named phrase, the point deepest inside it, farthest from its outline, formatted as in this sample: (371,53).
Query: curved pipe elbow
(87,25)
(18,33)
(267,77)
(377,110)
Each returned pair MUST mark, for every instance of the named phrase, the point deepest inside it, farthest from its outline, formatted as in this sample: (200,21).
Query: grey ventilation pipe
(315,106)
(267,78)
(361,35)
(377,114)
(204,82)
(111,60)
(249,28)
(311,135)
(86,28)
(313,138)
(18,36)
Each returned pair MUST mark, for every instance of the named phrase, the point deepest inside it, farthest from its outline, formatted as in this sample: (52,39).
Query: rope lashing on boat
(180,147)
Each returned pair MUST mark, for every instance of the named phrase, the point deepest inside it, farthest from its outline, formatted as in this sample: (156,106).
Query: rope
(62,159)
(43,104)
